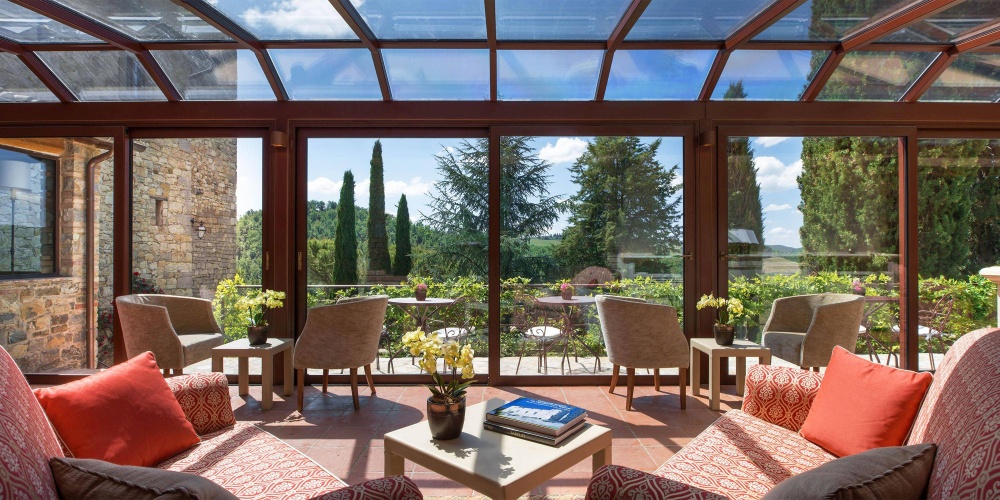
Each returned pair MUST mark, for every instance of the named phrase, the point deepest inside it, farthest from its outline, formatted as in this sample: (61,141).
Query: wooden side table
(741,350)
(244,351)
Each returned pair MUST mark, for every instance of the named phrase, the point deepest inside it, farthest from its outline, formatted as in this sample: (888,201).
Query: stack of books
(538,421)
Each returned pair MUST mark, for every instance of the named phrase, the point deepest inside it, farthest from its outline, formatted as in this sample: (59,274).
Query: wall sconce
(707,139)
(200,229)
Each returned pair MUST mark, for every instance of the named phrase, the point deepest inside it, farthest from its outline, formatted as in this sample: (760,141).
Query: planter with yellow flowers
(446,405)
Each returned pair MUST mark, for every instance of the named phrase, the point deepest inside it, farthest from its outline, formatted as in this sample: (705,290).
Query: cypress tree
(378,240)
(346,243)
(745,207)
(402,262)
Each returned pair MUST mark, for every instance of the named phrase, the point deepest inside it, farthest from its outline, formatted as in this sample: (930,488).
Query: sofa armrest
(386,488)
(614,482)
(205,399)
(780,395)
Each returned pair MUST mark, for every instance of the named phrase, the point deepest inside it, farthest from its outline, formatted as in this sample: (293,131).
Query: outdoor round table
(421,310)
(569,328)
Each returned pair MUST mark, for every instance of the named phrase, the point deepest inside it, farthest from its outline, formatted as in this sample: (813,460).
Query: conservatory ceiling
(499,50)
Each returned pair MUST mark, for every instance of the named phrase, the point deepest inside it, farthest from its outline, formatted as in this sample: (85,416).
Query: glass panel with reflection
(971,77)
(18,84)
(947,25)
(287,19)
(111,75)
(215,75)
(702,20)
(578,20)
(667,75)
(25,26)
(147,21)
(345,74)
(424,19)
(825,20)
(772,75)
(441,74)
(875,76)
(547,75)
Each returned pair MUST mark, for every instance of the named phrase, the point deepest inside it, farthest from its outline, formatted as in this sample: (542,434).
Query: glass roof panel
(661,75)
(970,77)
(767,75)
(106,75)
(875,76)
(327,74)
(694,20)
(148,20)
(215,75)
(438,74)
(424,19)
(25,26)
(287,19)
(19,84)
(946,25)
(824,20)
(547,75)
(562,20)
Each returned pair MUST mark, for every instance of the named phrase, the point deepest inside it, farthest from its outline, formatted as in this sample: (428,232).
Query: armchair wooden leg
(326,380)
(683,372)
(656,380)
(631,388)
(614,378)
(816,369)
(166,372)
(179,371)
(301,388)
(368,377)
(354,388)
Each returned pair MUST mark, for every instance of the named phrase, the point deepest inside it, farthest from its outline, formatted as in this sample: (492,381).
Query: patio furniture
(642,335)
(341,336)
(540,326)
(179,331)
(239,456)
(874,304)
(932,319)
(242,350)
(803,329)
(740,349)
(494,464)
(747,452)
(459,320)
(571,312)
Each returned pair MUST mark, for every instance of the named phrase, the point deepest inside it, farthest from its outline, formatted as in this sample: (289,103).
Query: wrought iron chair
(541,326)
(932,319)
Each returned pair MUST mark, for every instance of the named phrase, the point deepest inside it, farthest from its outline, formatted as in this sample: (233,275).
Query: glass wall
(583,216)
(394,215)
(811,215)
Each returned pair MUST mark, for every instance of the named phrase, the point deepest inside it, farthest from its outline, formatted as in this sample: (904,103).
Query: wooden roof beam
(40,70)
(629,18)
(763,20)
(978,37)
(822,75)
(929,76)
(361,29)
(714,73)
(491,41)
(894,21)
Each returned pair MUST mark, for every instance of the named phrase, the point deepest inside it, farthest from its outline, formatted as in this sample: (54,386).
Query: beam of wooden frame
(763,20)
(159,76)
(894,21)
(10,47)
(629,18)
(48,78)
(928,77)
(243,38)
(822,76)
(491,42)
(714,73)
(981,36)
(361,29)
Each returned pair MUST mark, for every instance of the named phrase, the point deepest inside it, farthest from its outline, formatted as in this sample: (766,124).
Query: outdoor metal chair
(540,326)
(932,320)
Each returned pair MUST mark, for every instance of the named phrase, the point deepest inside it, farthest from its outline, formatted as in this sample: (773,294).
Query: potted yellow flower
(727,312)
(446,405)
(254,305)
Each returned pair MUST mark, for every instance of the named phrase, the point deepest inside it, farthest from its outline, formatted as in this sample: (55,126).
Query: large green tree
(985,196)
(346,240)
(744,202)
(378,239)
(249,245)
(403,261)
(627,202)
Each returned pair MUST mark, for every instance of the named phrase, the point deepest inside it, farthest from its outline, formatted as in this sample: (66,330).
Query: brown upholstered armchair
(803,329)
(642,335)
(339,336)
(180,331)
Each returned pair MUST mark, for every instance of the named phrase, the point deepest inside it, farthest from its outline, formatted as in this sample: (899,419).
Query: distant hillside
(783,250)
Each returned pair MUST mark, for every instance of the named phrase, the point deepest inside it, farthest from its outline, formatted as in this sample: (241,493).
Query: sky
(779,163)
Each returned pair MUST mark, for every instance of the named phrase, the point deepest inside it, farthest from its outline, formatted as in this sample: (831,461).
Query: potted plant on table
(446,405)
(566,291)
(421,291)
(727,312)
(254,305)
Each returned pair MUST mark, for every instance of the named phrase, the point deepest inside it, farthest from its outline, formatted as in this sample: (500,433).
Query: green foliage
(321,268)
(378,239)
(627,202)
(985,195)
(946,174)
(250,244)
(403,261)
(345,271)
(224,306)
(255,304)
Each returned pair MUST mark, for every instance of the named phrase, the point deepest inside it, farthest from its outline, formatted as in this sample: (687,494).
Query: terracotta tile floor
(349,443)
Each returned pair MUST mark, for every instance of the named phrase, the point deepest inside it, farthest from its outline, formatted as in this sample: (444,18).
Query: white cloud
(777,208)
(300,17)
(766,142)
(567,149)
(774,175)
(324,188)
(782,236)
(780,230)
(415,187)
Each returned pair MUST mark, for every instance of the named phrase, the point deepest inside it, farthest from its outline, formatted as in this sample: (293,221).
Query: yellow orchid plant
(457,357)
(727,310)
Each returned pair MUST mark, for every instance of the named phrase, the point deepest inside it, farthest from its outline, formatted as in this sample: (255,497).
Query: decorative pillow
(125,415)
(897,472)
(84,478)
(863,405)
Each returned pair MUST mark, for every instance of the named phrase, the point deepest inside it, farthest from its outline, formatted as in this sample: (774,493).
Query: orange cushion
(125,415)
(863,405)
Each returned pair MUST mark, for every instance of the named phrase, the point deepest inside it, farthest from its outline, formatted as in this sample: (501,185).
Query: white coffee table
(496,465)
(242,349)
(740,349)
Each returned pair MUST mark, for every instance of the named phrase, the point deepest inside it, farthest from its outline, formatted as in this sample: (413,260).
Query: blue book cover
(540,416)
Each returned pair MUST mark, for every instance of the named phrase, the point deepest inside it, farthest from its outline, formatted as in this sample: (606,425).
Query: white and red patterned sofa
(746,453)
(239,456)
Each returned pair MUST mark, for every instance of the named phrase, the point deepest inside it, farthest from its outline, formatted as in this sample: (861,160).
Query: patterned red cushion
(386,488)
(204,397)
(614,482)
(961,414)
(780,395)
(27,441)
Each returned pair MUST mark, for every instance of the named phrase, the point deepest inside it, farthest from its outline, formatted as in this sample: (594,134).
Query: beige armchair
(180,331)
(339,336)
(804,329)
(642,335)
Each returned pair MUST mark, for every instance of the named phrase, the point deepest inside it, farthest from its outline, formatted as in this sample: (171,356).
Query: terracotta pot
(257,335)
(421,294)
(724,334)
(445,420)
(567,294)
